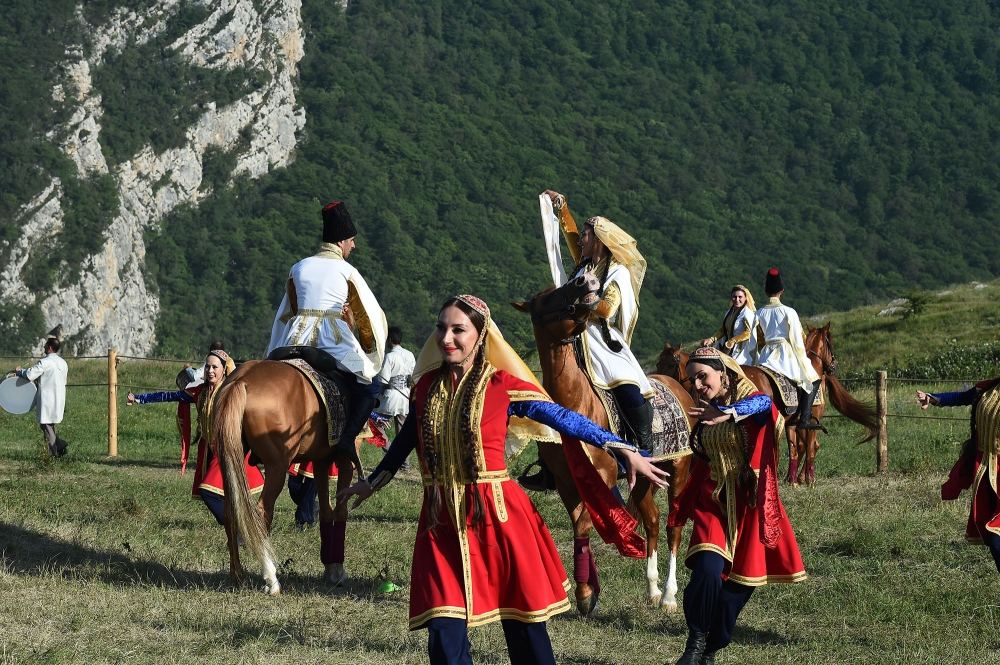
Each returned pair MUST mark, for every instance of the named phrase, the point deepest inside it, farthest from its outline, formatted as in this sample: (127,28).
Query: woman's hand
(558,200)
(130,399)
(926,399)
(708,413)
(360,490)
(708,341)
(641,466)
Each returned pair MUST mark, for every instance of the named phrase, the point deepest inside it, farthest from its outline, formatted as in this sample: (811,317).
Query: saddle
(671,432)
(787,391)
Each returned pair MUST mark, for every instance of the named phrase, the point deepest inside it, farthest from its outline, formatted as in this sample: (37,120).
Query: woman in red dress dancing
(742,538)
(482,552)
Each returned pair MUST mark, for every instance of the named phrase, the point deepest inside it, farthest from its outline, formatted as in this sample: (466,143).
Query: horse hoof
(272,589)
(587,606)
(336,574)
(654,601)
(669,606)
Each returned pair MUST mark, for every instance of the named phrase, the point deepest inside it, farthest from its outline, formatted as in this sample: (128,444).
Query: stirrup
(812,423)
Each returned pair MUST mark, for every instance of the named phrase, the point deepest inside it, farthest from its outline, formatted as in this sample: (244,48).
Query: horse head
(672,362)
(560,314)
(819,348)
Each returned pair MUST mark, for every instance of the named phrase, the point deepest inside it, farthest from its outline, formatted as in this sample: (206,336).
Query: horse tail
(227,435)
(849,406)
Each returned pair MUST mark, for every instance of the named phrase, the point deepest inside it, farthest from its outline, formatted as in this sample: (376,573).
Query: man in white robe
(395,378)
(780,347)
(50,373)
(330,318)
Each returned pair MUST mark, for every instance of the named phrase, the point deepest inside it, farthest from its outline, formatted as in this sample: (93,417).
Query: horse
(272,409)
(805,442)
(558,317)
(672,362)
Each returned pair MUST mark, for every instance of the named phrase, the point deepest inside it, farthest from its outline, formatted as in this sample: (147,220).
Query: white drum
(17,395)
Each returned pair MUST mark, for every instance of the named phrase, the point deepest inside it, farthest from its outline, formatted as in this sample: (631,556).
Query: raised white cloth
(322,285)
(783,349)
(395,399)
(50,374)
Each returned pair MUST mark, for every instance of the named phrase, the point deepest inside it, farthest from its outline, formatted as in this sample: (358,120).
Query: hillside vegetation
(851,144)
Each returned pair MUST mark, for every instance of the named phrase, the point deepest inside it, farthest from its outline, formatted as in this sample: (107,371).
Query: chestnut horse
(272,409)
(558,318)
(819,348)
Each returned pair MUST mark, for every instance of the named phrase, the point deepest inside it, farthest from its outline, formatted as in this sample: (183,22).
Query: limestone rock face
(109,304)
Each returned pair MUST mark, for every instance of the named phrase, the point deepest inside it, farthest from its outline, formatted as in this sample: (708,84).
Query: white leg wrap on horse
(669,600)
(652,575)
(271,576)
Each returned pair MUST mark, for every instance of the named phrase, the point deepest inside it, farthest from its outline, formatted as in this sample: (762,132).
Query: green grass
(108,561)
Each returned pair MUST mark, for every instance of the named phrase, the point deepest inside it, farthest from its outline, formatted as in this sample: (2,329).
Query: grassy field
(109,560)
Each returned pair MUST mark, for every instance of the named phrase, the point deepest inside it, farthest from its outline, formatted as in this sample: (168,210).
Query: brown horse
(558,318)
(805,442)
(273,410)
(672,362)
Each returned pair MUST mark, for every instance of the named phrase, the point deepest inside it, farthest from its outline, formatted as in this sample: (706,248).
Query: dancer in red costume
(742,538)
(207,484)
(482,552)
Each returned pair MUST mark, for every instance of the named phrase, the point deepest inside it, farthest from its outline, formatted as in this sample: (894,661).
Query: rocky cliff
(108,303)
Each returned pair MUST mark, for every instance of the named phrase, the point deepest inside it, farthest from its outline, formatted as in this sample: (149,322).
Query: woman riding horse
(603,249)
(733,336)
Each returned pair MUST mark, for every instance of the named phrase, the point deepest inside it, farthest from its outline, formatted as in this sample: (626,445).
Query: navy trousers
(711,605)
(992,541)
(628,395)
(303,492)
(527,643)
(215,504)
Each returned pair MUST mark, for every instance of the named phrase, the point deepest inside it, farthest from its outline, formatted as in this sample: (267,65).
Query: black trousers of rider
(711,605)
(992,541)
(527,643)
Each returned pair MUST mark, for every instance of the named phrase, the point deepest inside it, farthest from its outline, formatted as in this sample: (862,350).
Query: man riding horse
(780,348)
(605,250)
(331,319)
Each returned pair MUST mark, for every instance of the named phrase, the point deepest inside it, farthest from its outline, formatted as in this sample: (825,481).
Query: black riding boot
(360,405)
(640,421)
(540,481)
(806,419)
(694,650)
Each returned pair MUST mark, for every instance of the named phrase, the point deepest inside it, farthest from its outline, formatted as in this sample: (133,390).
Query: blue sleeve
(758,406)
(960,398)
(402,445)
(166,396)
(564,421)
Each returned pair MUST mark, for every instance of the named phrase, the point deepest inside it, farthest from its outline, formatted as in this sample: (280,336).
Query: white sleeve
(36,370)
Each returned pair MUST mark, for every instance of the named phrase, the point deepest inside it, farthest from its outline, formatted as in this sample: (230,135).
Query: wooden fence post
(112,402)
(882,410)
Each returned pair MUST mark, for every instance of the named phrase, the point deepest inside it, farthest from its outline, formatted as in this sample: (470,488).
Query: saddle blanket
(671,433)
(787,391)
(328,394)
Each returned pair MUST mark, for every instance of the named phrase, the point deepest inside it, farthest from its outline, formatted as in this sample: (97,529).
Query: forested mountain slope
(853,145)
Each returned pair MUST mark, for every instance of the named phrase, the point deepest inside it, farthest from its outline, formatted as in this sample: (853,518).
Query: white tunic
(783,349)
(322,284)
(605,367)
(396,372)
(50,373)
(742,352)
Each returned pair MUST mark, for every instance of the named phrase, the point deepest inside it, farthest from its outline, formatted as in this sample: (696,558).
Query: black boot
(640,421)
(359,410)
(540,481)
(709,657)
(806,419)
(61,447)
(694,651)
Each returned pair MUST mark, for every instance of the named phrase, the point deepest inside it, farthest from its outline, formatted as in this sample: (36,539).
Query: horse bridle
(830,368)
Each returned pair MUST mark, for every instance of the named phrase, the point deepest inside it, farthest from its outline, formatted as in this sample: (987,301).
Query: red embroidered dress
(978,470)
(757,541)
(507,566)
